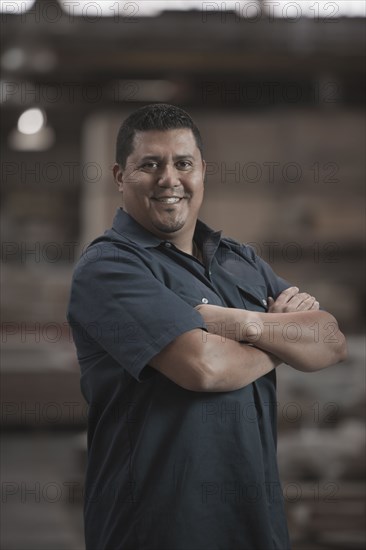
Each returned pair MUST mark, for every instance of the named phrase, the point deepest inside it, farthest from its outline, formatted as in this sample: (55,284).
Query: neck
(185,245)
(183,242)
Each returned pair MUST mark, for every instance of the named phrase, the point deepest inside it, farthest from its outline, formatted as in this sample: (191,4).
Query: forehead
(179,141)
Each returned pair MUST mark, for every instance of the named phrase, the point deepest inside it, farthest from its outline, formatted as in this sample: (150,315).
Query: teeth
(169,200)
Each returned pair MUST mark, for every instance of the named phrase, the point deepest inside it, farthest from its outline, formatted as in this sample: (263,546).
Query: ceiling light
(31,121)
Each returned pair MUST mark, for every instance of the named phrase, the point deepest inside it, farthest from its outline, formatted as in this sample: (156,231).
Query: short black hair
(156,116)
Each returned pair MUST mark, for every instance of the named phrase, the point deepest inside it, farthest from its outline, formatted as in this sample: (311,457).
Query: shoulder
(110,253)
(246,251)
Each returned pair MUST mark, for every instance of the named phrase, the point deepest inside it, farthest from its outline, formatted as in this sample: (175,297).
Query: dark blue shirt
(168,468)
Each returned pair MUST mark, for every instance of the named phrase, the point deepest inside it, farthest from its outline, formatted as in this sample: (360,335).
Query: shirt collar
(129,228)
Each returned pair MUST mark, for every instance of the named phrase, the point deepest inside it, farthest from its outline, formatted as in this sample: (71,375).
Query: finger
(302,301)
(305,302)
(299,301)
(287,295)
(315,306)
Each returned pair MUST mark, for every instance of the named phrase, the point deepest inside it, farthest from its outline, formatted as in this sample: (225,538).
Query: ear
(118,177)
(204,166)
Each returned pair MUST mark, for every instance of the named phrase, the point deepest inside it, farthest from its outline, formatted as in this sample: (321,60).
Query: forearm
(233,365)
(199,361)
(293,329)
(306,340)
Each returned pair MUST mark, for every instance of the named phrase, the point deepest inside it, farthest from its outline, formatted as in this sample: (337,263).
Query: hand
(291,300)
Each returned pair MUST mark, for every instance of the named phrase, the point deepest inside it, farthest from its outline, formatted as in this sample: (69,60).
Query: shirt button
(264,302)
(168,245)
(204,301)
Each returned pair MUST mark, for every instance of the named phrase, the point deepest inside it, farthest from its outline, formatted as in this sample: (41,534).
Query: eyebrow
(157,157)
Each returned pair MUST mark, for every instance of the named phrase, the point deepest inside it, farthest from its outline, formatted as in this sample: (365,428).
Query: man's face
(162,183)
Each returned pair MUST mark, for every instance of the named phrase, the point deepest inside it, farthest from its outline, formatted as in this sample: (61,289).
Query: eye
(184,165)
(150,165)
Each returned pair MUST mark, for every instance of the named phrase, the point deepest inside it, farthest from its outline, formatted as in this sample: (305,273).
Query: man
(179,332)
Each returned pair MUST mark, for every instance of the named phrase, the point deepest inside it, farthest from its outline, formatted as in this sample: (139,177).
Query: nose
(168,176)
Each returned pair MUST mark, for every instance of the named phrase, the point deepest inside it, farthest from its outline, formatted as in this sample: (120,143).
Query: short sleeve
(118,306)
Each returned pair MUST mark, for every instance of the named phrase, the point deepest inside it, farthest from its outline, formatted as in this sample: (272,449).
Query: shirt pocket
(253,297)
(195,292)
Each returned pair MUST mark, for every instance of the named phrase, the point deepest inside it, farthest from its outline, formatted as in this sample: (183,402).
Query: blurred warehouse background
(278,90)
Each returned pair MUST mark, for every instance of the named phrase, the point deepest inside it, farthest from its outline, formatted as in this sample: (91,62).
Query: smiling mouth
(168,200)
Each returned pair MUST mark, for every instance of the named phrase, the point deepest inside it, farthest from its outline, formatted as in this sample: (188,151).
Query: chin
(168,228)
(172,227)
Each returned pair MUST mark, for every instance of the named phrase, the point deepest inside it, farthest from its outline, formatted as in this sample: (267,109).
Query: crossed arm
(293,331)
